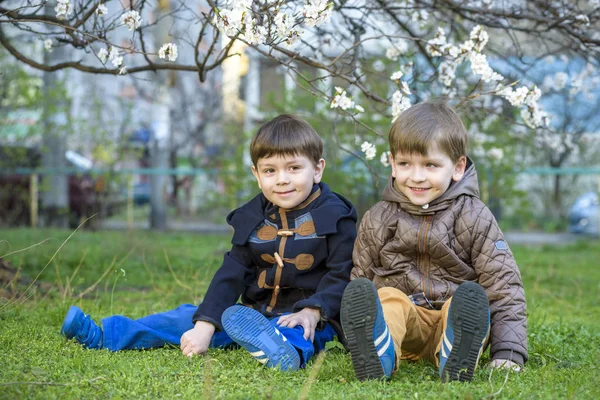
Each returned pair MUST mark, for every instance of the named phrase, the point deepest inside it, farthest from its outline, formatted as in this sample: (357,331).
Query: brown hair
(427,123)
(286,135)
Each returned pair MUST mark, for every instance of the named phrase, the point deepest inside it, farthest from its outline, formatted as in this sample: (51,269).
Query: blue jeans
(158,330)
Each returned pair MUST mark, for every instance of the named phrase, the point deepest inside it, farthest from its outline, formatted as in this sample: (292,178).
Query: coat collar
(325,206)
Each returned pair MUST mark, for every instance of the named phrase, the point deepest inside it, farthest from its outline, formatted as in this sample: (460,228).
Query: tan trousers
(417,332)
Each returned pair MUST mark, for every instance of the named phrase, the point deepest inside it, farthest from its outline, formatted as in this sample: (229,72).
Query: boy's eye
(402,163)
(268,171)
(294,167)
(431,165)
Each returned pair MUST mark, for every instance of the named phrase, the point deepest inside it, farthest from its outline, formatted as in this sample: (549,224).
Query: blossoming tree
(383,55)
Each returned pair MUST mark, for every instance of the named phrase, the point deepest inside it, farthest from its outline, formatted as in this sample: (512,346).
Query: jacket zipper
(428,224)
(423,256)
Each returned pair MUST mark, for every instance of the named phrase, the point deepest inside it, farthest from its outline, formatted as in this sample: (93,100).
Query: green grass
(562,286)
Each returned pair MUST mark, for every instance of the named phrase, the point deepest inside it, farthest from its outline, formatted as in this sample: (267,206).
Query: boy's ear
(255,173)
(391,158)
(459,169)
(319,168)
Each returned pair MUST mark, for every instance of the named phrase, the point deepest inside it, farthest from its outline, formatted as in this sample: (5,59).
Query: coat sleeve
(328,296)
(499,275)
(226,286)
(367,249)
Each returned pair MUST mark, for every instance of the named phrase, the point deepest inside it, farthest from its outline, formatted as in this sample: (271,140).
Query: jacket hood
(468,186)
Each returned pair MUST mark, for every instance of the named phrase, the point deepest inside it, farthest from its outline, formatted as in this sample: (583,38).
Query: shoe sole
(469,316)
(247,327)
(358,313)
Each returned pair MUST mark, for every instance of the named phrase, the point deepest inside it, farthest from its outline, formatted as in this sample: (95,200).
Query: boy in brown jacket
(433,277)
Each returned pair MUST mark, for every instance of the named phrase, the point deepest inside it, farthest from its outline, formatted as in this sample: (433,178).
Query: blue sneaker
(466,330)
(369,339)
(253,331)
(82,328)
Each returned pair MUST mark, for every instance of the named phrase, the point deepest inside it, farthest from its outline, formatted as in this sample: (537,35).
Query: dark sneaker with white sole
(369,339)
(467,327)
(253,331)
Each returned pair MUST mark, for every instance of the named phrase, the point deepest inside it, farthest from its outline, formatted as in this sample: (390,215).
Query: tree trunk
(557,196)
(55,188)
(159,158)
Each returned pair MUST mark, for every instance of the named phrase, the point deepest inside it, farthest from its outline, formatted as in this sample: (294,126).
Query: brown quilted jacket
(434,250)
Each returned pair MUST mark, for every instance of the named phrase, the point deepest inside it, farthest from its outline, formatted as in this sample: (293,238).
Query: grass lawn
(139,273)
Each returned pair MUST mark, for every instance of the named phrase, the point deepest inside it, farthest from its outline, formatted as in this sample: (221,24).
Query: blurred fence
(197,199)
(121,196)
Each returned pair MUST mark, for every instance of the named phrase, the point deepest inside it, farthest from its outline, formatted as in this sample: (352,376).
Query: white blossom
(284,24)
(397,48)
(479,38)
(168,51)
(317,12)
(420,16)
(397,75)
(533,96)
(392,53)
(132,19)
(369,149)
(238,19)
(378,65)
(242,3)
(63,9)
(101,10)
(467,47)
(449,92)
(114,57)
(103,55)
(534,117)
(434,46)
(255,34)
(557,82)
(48,45)
(453,51)
(359,108)
(495,153)
(229,21)
(123,70)
(515,97)
(405,89)
(582,19)
(447,72)
(285,28)
(399,104)
(576,85)
(341,100)
(480,66)
(385,158)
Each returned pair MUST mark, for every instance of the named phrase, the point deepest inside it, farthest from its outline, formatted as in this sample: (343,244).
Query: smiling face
(287,181)
(424,178)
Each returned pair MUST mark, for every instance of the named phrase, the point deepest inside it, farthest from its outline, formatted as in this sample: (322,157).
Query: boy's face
(425,178)
(286,181)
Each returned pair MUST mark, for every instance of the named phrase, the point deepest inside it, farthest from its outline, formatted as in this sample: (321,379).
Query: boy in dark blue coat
(290,261)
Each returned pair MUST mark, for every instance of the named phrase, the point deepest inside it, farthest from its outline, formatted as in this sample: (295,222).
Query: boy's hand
(197,339)
(501,363)
(308,318)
